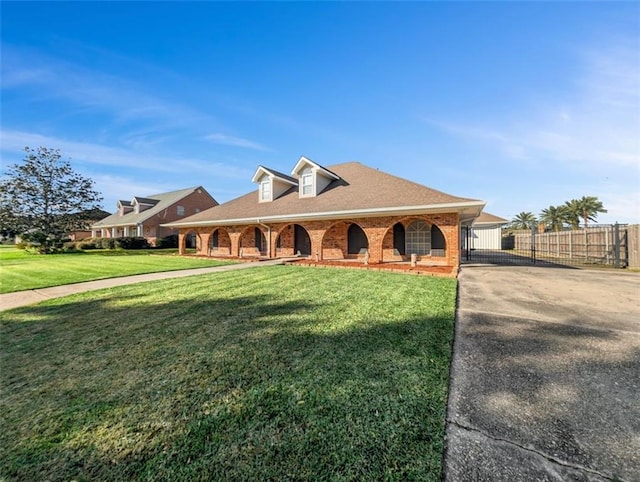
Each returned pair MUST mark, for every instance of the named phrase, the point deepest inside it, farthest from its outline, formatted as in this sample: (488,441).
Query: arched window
(418,237)
(214,239)
(398,238)
(356,239)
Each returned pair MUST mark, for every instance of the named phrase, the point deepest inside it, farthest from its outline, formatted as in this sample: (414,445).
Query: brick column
(181,240)
(205,240)
(316,232)
(375,235)
(448,224)
(235,242)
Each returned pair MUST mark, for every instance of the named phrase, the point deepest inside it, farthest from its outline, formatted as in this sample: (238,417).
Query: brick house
(144,216)
(346,211)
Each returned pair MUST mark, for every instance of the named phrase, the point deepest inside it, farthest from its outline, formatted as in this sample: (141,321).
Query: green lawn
(23,271)
(272,373)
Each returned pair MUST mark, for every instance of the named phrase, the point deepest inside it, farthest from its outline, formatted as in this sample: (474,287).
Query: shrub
(107,243)
(132,242)
(168,242)
(88,243)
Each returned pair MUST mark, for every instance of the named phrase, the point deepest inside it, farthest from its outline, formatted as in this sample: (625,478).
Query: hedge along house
(143,216)
(346,211)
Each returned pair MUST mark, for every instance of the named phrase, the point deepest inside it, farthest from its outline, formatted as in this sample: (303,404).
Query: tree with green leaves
(588,208)
(43,199)
(572,214)
(524,220)
(554,217)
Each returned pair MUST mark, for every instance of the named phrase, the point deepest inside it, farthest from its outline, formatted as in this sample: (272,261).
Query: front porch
(391,241)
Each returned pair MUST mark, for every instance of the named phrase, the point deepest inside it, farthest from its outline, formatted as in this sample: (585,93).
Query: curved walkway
(29,297)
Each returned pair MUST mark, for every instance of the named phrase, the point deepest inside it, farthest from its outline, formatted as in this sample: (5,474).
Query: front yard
(23,271)
(273,373)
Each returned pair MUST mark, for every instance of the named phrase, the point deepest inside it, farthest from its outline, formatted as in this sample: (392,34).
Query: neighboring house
(143,216)
(346,211)
(92,217)
(485,232)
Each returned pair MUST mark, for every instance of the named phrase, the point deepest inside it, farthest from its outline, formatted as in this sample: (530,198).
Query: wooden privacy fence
(606,245)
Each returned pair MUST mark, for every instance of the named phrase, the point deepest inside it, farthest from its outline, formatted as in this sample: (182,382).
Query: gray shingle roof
(146,200)
(487,218)
(279,174)
(359,188)
(162,201)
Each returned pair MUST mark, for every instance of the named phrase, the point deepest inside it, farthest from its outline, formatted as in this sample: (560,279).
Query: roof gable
(261,171)
(304,162)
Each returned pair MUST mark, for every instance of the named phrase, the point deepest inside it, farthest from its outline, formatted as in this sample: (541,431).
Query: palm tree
(553,217)
(524,220)
(588,208)
(572,213)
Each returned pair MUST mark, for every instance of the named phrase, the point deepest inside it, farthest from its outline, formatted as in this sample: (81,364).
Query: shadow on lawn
(246,388)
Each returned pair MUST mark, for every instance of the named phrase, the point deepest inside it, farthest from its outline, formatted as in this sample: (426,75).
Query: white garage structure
(485,232)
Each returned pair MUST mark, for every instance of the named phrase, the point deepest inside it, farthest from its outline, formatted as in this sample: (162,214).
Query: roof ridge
(403,179)
(152,196)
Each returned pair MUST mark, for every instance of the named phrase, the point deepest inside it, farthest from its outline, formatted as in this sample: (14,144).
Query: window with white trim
(265,190)
(307,182)
(180,210)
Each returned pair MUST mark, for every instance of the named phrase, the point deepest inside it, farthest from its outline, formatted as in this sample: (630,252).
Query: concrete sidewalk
(29,297)
(545,382)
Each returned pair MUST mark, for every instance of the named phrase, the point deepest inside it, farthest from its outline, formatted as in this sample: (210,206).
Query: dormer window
(124,207)
(307,182)
(312,177)
(272,184)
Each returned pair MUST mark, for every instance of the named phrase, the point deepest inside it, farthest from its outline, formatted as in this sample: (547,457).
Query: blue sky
(523,105)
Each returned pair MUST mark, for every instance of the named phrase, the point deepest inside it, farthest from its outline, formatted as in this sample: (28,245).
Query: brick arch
(291,238)
(283,240)
(334,243)
(223,247)
(387,249)
(247,241)
(186,236)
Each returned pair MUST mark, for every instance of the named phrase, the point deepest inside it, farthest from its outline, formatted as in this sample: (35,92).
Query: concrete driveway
(546,376)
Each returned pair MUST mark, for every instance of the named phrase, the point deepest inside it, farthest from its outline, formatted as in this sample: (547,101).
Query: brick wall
(329,239)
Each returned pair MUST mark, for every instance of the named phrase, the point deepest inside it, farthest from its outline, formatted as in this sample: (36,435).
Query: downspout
(268,237)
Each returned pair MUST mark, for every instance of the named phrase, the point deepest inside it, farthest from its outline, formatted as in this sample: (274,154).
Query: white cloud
(228,140)
(595,126)
(124,100)
(88,153)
